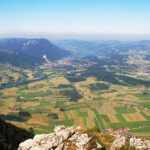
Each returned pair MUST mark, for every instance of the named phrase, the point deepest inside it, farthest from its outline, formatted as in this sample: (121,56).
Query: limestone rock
(118,143)
(63,138)
(48,141)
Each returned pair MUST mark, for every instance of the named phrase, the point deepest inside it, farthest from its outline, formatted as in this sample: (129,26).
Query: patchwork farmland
(89,102)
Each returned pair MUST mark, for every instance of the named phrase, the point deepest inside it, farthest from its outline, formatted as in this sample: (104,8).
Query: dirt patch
(30,104)
(112,118)
(134,117)
(38,120)
(59,80)
(108,108)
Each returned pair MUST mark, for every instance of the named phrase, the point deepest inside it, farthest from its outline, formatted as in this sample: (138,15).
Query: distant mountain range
(28,52)
(96,48)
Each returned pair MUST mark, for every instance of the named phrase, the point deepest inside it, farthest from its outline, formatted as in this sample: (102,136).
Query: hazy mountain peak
(29,50)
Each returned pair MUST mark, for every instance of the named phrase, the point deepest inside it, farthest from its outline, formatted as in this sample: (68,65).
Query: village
(69,61)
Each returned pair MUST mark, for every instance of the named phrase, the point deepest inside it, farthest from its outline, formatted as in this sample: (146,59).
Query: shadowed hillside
(28,52)
(11,136)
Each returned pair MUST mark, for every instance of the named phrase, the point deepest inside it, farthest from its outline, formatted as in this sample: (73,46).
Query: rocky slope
(62,139)
(70,138)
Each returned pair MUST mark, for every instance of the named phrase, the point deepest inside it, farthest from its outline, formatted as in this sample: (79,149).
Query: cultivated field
(43,104)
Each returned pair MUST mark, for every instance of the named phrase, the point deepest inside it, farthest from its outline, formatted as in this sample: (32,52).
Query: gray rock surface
(62,139)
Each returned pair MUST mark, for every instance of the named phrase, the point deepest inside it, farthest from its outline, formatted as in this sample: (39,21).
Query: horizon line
(81,36)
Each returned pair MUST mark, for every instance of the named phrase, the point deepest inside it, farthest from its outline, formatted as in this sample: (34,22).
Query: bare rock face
(118,143)
(63,138)
(71,138)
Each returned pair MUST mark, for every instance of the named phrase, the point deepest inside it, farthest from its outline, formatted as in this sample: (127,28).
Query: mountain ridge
(26,51)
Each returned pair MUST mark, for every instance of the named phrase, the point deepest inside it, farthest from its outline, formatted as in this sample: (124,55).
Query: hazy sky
(74,17)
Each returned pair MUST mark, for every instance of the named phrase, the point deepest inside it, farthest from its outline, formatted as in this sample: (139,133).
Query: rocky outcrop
(71,138)
(118,143)
(139,143)
(63,138)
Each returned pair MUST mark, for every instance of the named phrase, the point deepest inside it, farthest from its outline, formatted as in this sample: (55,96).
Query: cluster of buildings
(62,62)
(118,132)
(66,62)
(15,108)
(3,75)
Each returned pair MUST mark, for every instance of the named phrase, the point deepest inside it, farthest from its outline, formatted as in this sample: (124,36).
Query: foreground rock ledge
(71,138)
(63,138)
